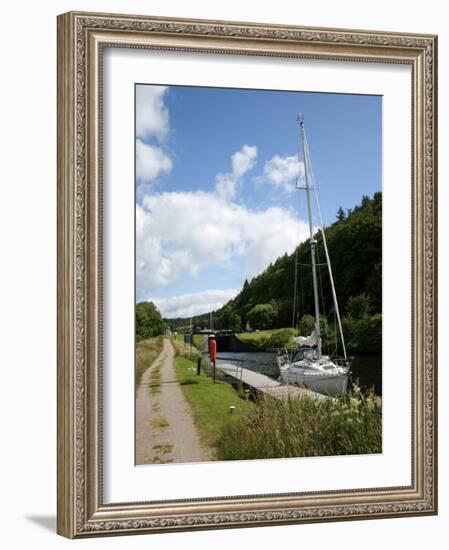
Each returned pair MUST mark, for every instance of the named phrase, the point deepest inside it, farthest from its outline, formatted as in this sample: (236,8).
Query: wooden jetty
(264,384)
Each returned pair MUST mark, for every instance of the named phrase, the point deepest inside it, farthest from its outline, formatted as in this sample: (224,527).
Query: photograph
(258,274)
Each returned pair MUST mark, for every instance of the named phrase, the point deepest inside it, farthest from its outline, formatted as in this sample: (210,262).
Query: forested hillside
(355,248)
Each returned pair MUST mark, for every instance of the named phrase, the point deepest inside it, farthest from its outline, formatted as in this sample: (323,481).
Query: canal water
(366,370)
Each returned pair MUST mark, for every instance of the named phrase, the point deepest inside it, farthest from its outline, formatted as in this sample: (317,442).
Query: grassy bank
(146,352)
(210,402)
(272,428)
(305,427)
(273,338)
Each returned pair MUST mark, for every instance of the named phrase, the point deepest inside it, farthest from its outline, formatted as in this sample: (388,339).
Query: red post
(213,349)
(213,354)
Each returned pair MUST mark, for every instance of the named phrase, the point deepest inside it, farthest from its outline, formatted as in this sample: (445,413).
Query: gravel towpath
(165,431)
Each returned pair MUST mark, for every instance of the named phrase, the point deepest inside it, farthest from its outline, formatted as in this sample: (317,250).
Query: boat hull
(327,384)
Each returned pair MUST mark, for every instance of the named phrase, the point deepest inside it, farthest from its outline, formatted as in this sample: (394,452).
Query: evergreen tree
(341,215)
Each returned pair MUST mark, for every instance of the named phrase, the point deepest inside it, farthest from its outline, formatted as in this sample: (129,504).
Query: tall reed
(300,427)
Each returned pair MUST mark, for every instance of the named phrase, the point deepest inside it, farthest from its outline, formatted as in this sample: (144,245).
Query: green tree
(341,215)
(359,306)
(262,316)
(149,322)
(362,327)
(234,322)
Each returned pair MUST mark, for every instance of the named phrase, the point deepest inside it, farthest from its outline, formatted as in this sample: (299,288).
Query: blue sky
(215,174)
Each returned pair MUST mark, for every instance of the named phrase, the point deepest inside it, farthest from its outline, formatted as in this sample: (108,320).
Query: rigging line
(310,297)
(335,334)
(325,315)
(334,295)
(295,289)
(321,283)
(301,294)
(295,268)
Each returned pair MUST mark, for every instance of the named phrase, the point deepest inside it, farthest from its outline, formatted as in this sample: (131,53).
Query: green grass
(160,422)
(146,353)
(305,427)
(256,336)
(187,351)
(197,340)
(155,380)
(261,338)
(275,428)
(164,449)
(210,402)
(178,342)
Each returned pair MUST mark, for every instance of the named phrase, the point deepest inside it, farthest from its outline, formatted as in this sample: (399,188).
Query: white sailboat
(307,366)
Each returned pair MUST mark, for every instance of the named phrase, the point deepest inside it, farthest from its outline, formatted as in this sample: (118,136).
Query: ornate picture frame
(82,38)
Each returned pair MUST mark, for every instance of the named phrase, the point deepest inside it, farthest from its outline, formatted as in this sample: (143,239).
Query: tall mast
(308,169)
(311,240)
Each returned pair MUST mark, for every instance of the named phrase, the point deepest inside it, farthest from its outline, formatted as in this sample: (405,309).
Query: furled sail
(311,340)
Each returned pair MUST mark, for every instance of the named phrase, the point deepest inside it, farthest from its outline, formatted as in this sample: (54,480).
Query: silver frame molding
(81,38)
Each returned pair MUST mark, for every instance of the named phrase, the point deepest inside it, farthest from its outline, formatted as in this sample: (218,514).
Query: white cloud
(283,172)
(272,233)
(152,122)
(180,234)
(242,161)
(152,117)
(151,162)
(225,185)
(188,305)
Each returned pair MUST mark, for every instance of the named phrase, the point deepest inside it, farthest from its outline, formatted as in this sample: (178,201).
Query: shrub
(306,325)
(363,335)
(279,339)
